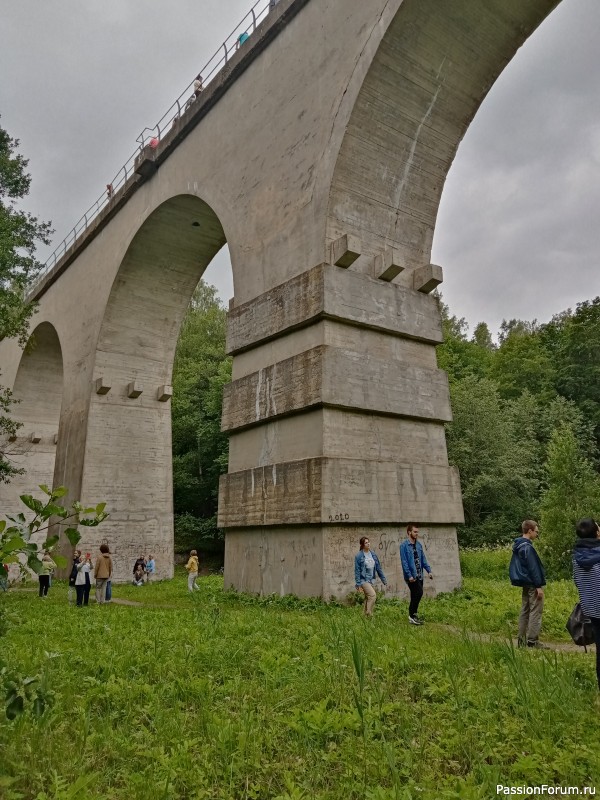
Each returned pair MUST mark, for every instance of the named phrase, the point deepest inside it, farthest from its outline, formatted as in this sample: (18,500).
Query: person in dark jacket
(527,571)
(366,569)
(586,572)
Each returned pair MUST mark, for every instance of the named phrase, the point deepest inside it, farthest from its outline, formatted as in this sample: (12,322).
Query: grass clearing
(223,696)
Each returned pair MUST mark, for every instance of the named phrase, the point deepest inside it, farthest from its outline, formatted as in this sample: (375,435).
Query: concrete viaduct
(319,154)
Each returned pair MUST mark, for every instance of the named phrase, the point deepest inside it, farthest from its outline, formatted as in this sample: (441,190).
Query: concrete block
(345,250)
(427,278)
(325,292)
(231,303)
(387,265)
(35,437)
(266,562)
(102,386)
(340,378)
(134,389)
(164,393)
(343,491)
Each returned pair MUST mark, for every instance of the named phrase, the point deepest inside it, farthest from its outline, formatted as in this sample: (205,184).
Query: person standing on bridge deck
(366,569)
(272,4)
(198,87)
(414,561)
(241,39)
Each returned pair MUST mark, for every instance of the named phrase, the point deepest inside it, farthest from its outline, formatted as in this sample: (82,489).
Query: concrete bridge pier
(335,415)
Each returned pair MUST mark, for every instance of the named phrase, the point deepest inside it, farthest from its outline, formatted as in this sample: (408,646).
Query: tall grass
(220,696)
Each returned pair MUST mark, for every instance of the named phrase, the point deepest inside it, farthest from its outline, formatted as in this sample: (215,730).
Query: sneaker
(420,620)
(536,644)
(414,621)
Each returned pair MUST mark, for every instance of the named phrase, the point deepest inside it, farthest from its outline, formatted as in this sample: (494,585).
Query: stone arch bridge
(319,154)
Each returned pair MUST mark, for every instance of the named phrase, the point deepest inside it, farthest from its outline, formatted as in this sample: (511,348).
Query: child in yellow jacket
(192,568)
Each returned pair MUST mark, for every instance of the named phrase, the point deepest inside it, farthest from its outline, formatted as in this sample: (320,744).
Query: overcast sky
(518,233)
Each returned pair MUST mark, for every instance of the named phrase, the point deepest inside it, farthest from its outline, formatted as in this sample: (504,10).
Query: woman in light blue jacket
(366,569)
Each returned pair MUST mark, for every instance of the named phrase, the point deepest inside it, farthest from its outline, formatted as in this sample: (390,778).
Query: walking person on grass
(586,572)
(102,573)
(366,569)
(527,571)
(192,568)
(414,561)
(48,567)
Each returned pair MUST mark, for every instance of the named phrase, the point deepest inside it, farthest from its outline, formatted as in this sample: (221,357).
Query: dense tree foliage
(526,415)
(199,448)
(20,233)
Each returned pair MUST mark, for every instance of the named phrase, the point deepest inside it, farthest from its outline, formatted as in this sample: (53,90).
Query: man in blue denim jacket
(414,562)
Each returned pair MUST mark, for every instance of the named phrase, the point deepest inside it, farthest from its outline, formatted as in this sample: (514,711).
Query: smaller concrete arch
(38,396)
(127,459)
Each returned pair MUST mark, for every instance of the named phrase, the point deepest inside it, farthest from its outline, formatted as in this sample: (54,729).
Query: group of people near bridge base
(82,572)
(527,571)
(144,570)
(414,564)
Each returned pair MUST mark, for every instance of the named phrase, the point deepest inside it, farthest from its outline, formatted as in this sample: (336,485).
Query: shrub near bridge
(222,696)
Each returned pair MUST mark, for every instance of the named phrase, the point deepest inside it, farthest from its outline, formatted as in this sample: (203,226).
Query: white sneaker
(414,621)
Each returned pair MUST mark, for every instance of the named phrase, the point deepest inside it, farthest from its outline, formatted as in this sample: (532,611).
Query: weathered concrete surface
(325,292)
(319,560)
(336,377)
(365,104)
(317,490)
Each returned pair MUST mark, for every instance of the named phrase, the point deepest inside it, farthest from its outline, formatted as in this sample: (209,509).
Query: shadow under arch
(128,458)
(38,396)
(431,71)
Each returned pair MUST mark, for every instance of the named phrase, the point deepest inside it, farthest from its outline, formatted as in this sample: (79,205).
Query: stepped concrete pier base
(335,416)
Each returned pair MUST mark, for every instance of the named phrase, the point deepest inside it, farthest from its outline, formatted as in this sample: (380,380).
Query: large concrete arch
(127,455)
(432,69)
(38,395)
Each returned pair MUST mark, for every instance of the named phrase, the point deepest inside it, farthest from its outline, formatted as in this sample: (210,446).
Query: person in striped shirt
(586,572)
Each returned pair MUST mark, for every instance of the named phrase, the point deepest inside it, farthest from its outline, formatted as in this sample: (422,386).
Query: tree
(457,355)
(573,492)
(200,449)
(498,476)
(577,353)
(522,362)
(20,233)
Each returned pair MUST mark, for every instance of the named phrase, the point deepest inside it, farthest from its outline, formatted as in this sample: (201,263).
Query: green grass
(226,696)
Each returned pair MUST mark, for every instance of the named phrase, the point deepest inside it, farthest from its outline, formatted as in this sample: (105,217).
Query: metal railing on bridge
(152,136)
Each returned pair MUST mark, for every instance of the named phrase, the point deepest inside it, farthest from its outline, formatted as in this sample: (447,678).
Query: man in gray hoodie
(527,571)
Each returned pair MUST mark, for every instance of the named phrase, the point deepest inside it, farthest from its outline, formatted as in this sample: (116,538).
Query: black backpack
(580,627)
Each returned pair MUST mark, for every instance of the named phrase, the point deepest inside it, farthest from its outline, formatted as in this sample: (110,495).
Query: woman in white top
(83,581)
(366,569)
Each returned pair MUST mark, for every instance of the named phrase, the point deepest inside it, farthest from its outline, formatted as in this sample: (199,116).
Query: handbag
(580,627)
